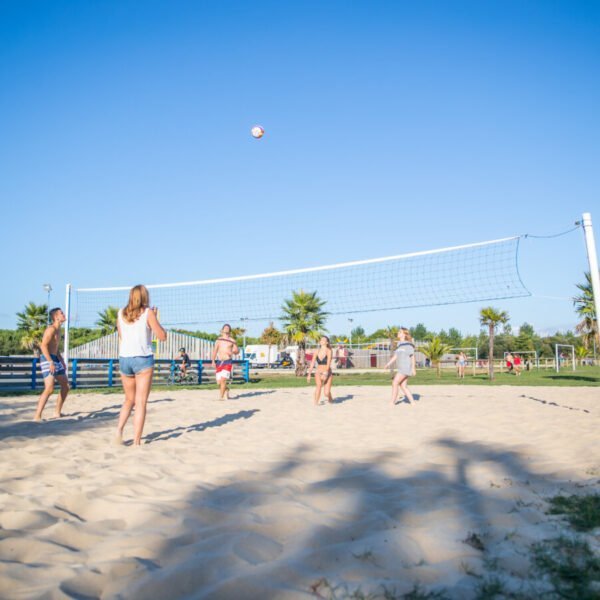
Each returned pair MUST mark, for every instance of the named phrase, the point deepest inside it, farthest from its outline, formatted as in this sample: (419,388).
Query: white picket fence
(108,347)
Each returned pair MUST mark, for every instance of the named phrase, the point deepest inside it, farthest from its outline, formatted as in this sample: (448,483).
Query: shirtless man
(222,360)
(53,364)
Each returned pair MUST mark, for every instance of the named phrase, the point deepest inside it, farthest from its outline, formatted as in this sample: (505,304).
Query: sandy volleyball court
(266,496)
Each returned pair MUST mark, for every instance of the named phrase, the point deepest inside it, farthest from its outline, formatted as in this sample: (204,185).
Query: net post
(67,326)
(590,245)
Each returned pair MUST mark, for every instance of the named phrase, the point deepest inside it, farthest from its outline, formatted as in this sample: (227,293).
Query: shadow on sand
(67,425)
(351,516)
(175,432)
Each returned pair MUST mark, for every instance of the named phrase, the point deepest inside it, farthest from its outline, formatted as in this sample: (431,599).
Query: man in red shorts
(222,360)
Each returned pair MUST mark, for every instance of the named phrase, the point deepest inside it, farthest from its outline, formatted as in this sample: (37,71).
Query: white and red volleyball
(257,132)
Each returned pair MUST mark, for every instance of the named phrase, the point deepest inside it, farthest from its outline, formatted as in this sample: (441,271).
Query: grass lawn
(584,376)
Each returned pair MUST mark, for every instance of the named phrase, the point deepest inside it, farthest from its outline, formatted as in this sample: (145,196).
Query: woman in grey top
(404,356)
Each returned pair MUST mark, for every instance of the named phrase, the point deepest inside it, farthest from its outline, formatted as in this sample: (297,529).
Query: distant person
(461,362)
(517,366)
(323,357)
(222,360)
(53,365)
(186,363)
(509,362)
(340,357)
(404,357)
(135,324)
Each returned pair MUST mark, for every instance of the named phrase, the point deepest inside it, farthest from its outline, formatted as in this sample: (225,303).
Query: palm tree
(357,335)
(434,350)
(581,353)
(303,319)
(391,333)
(32,323)
(491,318)
(108,319)
(585,308)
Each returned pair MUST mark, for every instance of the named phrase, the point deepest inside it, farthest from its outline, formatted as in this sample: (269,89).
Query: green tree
(419,332)
(526,338)
(31,322)
(107,320)
(10,342)
(586,310)
(581,353)
(271,335)
(454,338)
(358,335)
(435,350)
(490,317)
(303,319)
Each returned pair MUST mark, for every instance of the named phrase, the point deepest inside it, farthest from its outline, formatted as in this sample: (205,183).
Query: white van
(261,355)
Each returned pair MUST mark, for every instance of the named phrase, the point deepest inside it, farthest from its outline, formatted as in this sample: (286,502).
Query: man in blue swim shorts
(52,364)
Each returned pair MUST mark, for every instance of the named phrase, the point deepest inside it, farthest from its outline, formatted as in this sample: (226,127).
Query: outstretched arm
(156,327)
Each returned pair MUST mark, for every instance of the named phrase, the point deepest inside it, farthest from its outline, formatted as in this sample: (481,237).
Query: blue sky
(392,127)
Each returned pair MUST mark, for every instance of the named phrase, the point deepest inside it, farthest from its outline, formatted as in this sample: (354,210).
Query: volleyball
(257,132)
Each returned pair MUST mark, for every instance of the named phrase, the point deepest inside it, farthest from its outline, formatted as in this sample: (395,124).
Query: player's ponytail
(139,300)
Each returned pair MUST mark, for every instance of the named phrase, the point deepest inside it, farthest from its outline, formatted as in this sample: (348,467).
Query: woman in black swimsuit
(322,357)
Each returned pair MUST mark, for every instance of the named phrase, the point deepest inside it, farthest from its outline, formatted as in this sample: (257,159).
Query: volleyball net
(476,272)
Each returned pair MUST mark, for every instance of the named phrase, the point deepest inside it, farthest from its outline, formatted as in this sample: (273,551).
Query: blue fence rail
(19,373)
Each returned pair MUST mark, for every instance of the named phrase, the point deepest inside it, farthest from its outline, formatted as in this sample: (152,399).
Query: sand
(266,496)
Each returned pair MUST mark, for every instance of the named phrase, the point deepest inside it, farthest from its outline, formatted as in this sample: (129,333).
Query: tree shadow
(175,432)
(301,522)
(568,376)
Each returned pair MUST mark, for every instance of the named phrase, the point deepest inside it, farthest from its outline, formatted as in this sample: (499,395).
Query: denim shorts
(132,365)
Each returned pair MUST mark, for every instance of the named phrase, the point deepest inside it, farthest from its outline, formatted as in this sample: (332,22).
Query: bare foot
(37,419)
(58,415)
(119,438)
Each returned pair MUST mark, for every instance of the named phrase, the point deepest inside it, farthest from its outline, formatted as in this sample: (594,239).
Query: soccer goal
(561,357)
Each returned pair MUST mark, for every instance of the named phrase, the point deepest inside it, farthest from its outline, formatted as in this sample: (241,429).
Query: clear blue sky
(392,127)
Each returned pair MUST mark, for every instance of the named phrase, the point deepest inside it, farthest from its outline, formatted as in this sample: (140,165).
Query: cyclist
(186,363)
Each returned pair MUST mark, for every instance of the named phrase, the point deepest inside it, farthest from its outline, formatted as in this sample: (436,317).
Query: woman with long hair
(323,377)
(404,357)
(135,324)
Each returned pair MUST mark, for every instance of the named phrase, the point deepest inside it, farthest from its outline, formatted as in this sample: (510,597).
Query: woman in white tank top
(135,324)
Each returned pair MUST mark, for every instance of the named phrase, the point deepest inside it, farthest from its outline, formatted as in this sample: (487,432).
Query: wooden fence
(24,373)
